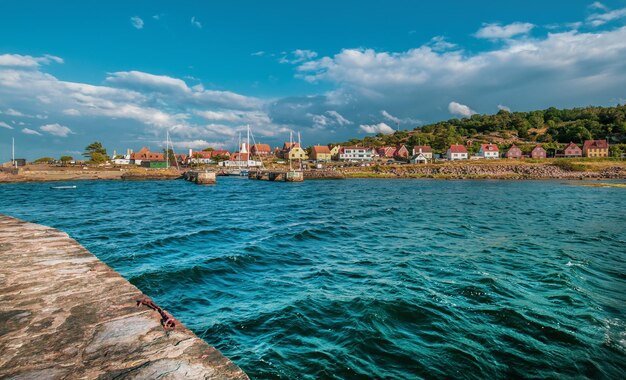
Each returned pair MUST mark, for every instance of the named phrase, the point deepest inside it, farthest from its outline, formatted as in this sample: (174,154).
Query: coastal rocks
(65,314)
(491,171)
(323,174)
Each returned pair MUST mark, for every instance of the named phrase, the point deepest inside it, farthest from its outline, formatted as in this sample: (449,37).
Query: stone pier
(64,314)
(200,177)
(277,176)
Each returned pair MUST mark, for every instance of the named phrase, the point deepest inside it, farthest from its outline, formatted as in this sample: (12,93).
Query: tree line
(551,127)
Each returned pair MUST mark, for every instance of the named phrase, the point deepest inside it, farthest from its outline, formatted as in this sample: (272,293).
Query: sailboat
(294,175)
(241,168)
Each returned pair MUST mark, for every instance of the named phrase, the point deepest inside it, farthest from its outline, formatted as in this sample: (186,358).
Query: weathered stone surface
(64,314)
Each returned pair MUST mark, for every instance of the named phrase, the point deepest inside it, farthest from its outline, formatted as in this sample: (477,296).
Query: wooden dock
(277,176)
(64,314)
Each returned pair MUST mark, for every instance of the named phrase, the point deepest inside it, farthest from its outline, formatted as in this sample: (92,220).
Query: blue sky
(124,73)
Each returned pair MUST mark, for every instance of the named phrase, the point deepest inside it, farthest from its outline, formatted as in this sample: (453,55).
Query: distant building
(571,150)
(538,153)
(489,151)
(457,152)
(320,153)
(513,152)
(260,150)
(355,153)
(153,164)
(386,151)
(334,152)
(205,157)
(145,154)
(292,151)
(241,159)
(596,148)
(419,158)
(401,152)
(425,150)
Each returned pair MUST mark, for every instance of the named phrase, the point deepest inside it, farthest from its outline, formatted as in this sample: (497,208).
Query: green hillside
(551,127)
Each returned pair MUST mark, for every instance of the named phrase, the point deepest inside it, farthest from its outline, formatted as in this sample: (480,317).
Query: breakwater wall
(65,314)
(500,171)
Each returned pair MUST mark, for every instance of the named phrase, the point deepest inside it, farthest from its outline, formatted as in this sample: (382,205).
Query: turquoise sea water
(368,278)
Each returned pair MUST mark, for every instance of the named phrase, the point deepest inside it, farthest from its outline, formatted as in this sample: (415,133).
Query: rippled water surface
(368,278)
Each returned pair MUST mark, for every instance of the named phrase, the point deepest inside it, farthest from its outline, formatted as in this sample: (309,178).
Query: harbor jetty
(201,177)
(65,314)
(277,175)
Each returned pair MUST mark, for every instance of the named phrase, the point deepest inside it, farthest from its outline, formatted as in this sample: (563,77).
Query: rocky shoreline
(488,172)
(510,171)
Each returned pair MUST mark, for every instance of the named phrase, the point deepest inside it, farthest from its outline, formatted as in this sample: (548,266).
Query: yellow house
(596,148)
(296,152)
(334,151)
(320,153)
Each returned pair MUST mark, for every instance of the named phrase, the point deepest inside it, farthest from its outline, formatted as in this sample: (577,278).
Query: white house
(489,151)
(419,158)
(456,152)
(355,153)
(424,150)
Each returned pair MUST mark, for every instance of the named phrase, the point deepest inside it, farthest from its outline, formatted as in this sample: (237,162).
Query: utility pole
(13,153)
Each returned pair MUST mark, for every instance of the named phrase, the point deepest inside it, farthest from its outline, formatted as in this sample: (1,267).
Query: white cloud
(258,53)
(298,56)
(136,22)
(377,128)
(327,120)
(339,119)
(26,61)
(439,43)
(598,5)
(497,31)
(29,131)
(12,112)
(504,108)
(56,130)
(389,116)
(531,72)
(71,112)
(196,23)
(599,19)
(174,87)
(196,144)
(5,125)
(460,109)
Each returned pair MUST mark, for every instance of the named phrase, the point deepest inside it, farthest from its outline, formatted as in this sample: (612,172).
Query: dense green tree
(66,159)
(96,152)
(170,156)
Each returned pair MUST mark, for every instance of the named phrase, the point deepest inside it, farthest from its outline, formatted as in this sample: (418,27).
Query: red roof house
(260,150)
(538,152)
(513,152)
(144,154)
(571,150)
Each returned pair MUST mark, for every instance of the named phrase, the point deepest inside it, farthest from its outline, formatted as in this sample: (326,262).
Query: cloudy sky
(74,72)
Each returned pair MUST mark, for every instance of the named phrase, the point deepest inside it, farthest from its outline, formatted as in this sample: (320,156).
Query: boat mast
(290,148)
(248,147)
(300,144)
(167,149)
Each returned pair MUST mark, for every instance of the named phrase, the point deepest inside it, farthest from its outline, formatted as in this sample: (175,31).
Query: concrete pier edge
(65,314)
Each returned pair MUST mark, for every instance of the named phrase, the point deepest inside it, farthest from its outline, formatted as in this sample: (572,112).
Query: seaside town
(255,154)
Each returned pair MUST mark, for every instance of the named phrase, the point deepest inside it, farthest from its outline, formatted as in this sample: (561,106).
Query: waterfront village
(255,154)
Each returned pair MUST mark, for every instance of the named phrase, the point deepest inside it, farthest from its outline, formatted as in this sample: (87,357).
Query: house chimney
(190,152)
